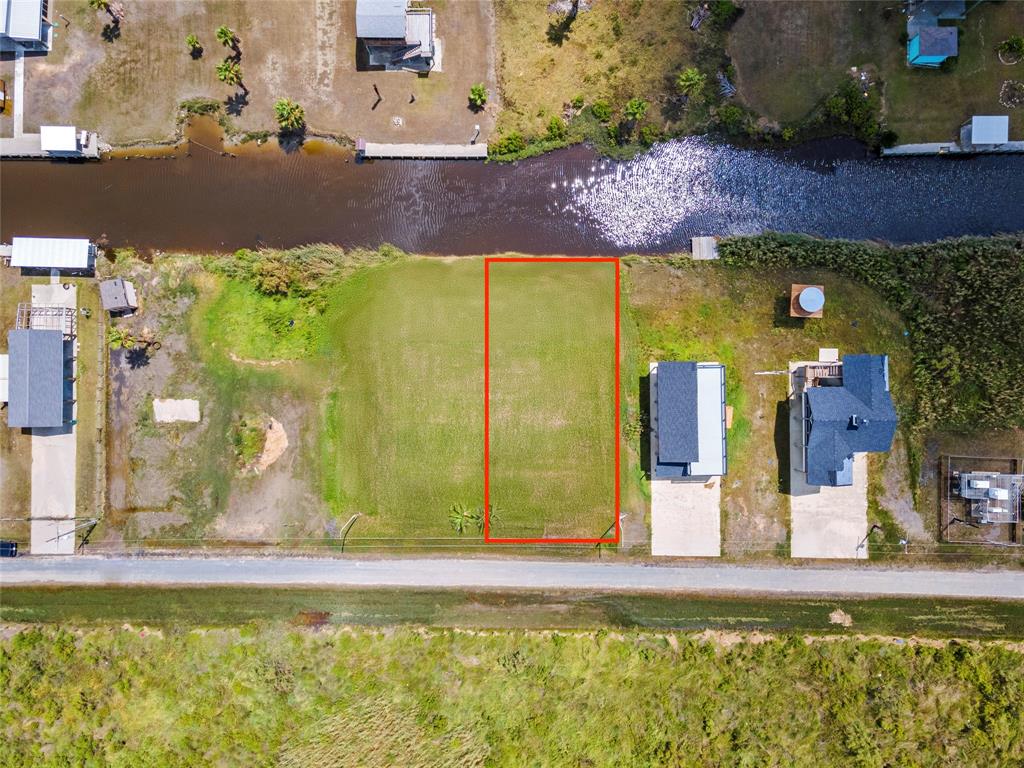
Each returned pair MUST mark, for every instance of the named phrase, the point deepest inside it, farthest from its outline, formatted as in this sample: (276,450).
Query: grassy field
(552,399)
(280,696)
(230,606)
(403,423)
(815,44)
(694,311)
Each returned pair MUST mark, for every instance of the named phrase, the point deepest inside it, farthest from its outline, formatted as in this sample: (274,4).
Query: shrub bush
(602,110)
(509,144)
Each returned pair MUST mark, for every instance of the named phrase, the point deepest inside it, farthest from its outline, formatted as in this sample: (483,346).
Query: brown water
(196,197)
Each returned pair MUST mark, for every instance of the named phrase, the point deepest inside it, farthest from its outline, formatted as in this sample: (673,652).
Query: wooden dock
(375,151)
(29,146)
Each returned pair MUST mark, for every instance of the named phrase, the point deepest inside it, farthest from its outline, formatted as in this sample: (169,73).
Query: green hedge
(962,300)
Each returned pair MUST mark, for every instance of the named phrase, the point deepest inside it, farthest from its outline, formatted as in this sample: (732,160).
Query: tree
(477,97)
(120,338)
(690,82)
(193,44)
(229,71)
(636,109)
(100,5)
(226,36)
(557,129)
(290,116)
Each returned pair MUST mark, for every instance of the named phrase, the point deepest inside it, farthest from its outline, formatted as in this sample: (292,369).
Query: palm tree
(228,71)
(477,97)
(226,36)
(690,82)
(290,116)
(193,44)
(459,516)
(120,338)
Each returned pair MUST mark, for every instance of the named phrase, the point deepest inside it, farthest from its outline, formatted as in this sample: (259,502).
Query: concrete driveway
(825,522)
(54,457)
(686,518)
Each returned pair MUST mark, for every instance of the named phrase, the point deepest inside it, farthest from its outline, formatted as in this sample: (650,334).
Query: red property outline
(487,398)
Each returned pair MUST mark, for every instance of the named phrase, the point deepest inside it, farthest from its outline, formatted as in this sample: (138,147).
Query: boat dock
(951,148)
(374,151)
(30,146)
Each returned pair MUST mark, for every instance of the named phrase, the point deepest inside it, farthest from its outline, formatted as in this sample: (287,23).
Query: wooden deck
(374,151)
(29,146)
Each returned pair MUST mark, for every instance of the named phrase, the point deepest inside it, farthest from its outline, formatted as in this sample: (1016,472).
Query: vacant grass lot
(693,311)
(813,44)
(419,697)
(552,399)
(403,423)
(614,50)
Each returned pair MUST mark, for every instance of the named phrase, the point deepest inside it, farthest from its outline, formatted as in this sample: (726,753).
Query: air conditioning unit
(978,484)
(1002,494)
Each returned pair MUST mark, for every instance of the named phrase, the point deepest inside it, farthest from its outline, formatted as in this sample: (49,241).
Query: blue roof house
(928,44)
(688,420)
(841,419)
(931,46)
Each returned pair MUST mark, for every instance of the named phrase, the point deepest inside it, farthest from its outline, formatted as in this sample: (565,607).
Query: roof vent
(855,421)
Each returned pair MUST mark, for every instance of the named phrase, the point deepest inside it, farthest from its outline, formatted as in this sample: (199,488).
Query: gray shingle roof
(677,413)
(938,41)
(379,19)
(36,387)
(854,418)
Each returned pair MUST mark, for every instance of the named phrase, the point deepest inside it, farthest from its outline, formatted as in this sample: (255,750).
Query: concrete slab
(175,410)
(686,518)
(824,522)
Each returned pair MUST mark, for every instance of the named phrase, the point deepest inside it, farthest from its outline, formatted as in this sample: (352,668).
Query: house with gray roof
(394,36)
(689,416)
(24,24)
(37,386)
(846,409)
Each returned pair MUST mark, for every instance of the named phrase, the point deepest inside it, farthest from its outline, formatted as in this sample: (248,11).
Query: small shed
(52,253)
(990,130)
(58,139)
(36,373)
(704,248)
(118,295)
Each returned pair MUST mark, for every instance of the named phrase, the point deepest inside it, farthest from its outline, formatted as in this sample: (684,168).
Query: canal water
(193,197)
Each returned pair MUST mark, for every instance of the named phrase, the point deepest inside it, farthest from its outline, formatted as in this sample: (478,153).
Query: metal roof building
(52,253)
(36,378)
(690,424)
(380,19)
(23,22)
(854,417)
(118,295)
(990,129)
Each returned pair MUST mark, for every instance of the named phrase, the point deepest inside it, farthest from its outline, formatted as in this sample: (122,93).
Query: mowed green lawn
(552,399)
(403,424)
